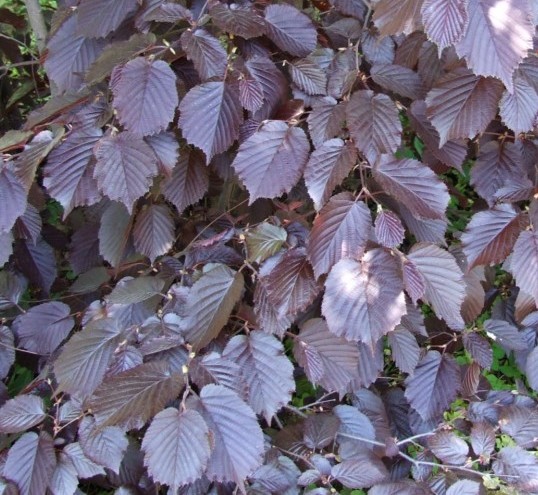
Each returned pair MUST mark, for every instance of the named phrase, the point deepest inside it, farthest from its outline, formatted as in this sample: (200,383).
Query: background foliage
(270,248)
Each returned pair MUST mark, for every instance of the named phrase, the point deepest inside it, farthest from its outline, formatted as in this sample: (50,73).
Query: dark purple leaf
(291,285)
(521,423)
(189,180)
(84,359)
(271,161)
(465,487)
(325,120)
(376,49)
(264,241)
(206,52)
(237,436)
(498,38)
(153,231)
(70,54)
(445,21)
(414,283)
(309,77)
(30,463)
(219,128)
(519,465)
(479,349)
(389,230)
(168,12)
(519,110)
(6,248)
(97,18)
(320,430)
(443,279)
(373,123)
(145,95)
(362,472)
(166,148)
(37,262)
(448,447)
(405,349)
(364,300)
(21,413)
(213,368)
(328,360)
(482,439)
(397,16)
(84,253)
(490,235)
(434,385)
(12,287)
(531,368)
(507,335)
(461,105)
(12,197)
(290,29)
(237,19)
(132,397)
(327,167)
(341,230)
(114,233)
(84,467)
(250,94)
(42,328)
(177,447)
(124,168)
(210,303)
(413,184)
(524,263)
(398,79)
(135,290)
(7,350)
(64,478)
(353,423)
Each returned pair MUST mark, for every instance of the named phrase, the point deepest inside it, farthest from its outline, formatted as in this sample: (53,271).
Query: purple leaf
(327,167)
(341,230)
(189,181)
(135,290)
(271,161)
(124,168)
(354,423)
(84,359)
(145,95)
(21,413)
(328,360)
(465,487)
(520,466)
(355,305)
(12,196)
(114,233)
(482,439)
(461,105)
(397,16)
(362,472)
(70,55)
(445,21)
(443,281)
(267,371)
(373,123)
(166,148)
(498,38)
(219,128)
(12,287)
(30,463)
(389,230)
(448,447)
(325,120)
(531,368)
(519,109)
(290,29)
(264,241)
(64,478)
(434,385)
(210,303)
(414,184)
(213,368)
(43,328)
(490,235)
(84,253)
(208,55)
(177,447)
(237,19)
(37,262)
(153,231)
(291,285)
(376,49)
(130,398)
(237,436)
(7,350)
(398,79)
(479,349)
(405,349)
(309,77)
(97,18)
(505,334)
(250,94)
(84,467)
(320,430)
(6,248)
(524,263)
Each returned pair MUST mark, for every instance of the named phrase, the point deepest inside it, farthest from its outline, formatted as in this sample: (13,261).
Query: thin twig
(415,437)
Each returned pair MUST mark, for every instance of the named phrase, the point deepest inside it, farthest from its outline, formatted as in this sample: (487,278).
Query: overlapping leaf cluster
(224,200)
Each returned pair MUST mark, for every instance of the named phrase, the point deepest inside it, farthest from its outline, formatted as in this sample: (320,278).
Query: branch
(37,22)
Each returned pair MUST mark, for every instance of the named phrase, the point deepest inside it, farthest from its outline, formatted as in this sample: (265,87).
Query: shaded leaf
(499,37)
(397,16)
(94,24)
(64,480)
(237,19)
(309,77)
(210,303)
(264,241)
(341,230)
(482,439)
(166,148)
(114,233)
(290,29)
(507,335)
(84,254)
(328,360)
(524,263)
(434,385)
(414,184)
(405,349)
(353,423)
(267,371)
(320,430)
(31,462)
(398,79)
(443,287)
(448,447)
(325,121)
(213,368)
(12,197)
(250,95)
(219,128)
(124,168)
(43,328)
(518,463)
(153,231)
(479,349)
(465,487)
(360,473)
(238,438)
(84,359)
(7,350)
(177,447)
(145,95)
(531,368)
(133,396)
(135,290)
(519,110)
(364,299)
(373,123)
(461,105)
(389,230)
(84,467)
(490,235)
(206,52)
(327,167)
(12,287)
(6,248)
(445,21)
(271,161)
(21,413)
(37,262)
